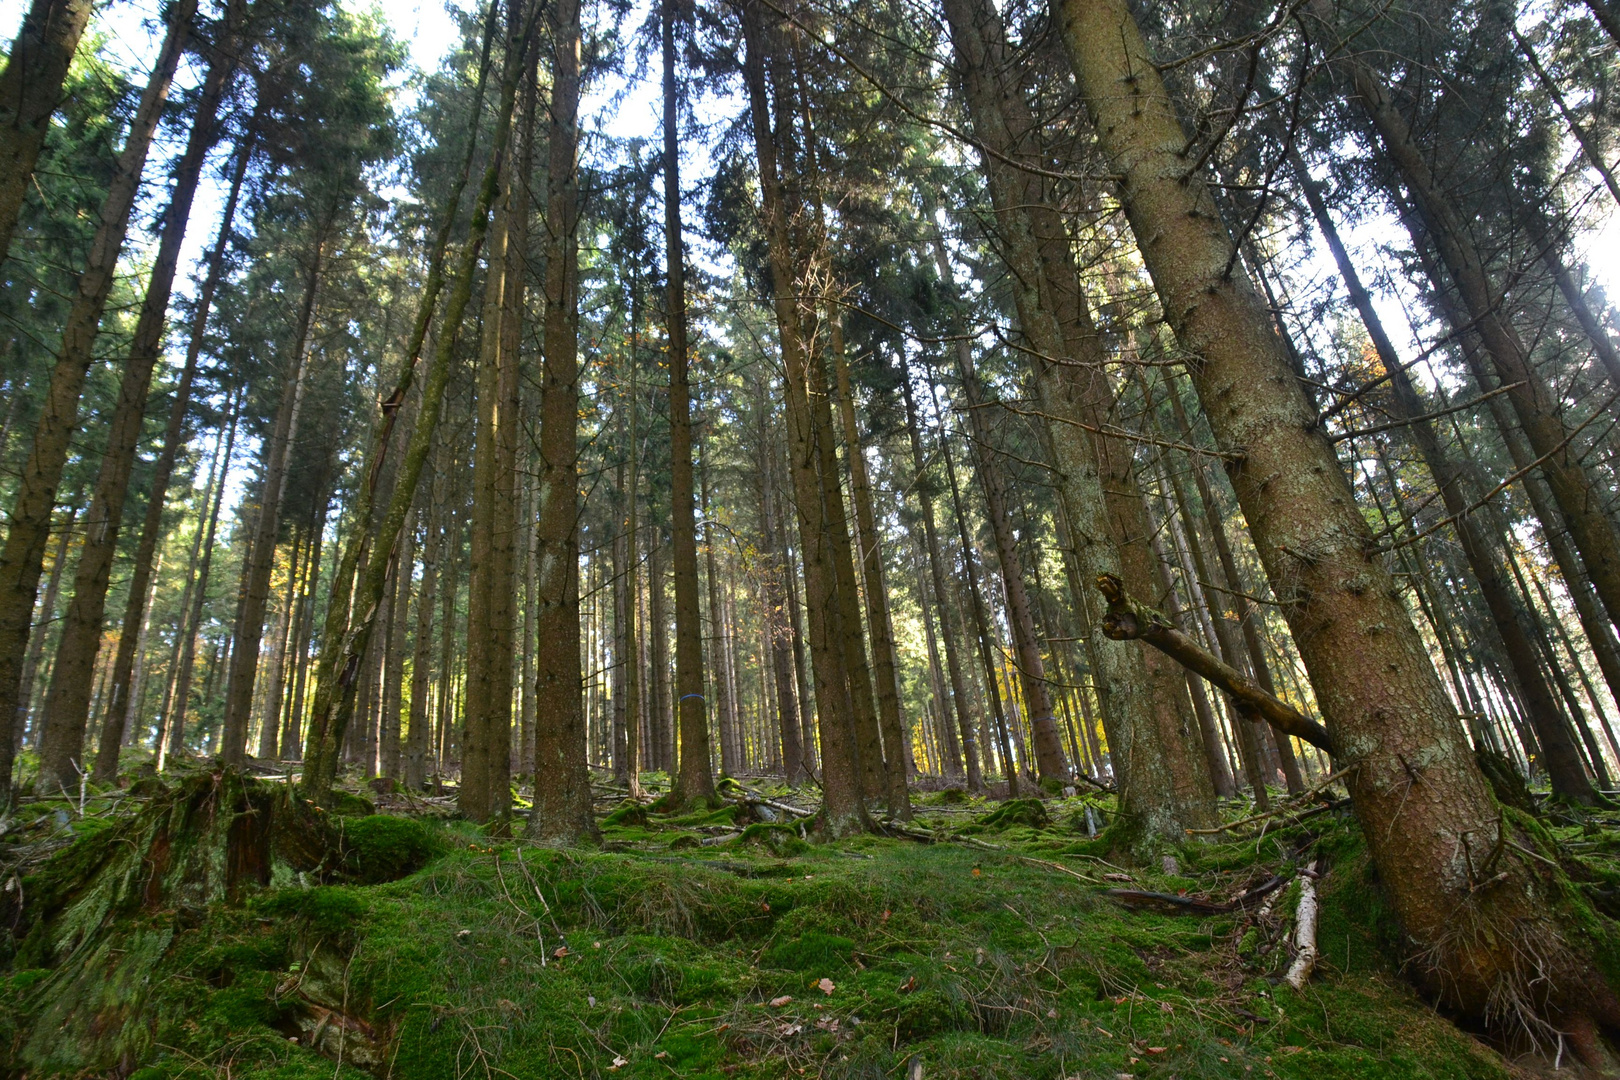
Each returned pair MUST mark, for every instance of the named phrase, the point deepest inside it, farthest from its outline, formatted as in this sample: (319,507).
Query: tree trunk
(694,784)
(292,731)
(36,639)
(256,571)
(779,616)
(22,558)
(719,629)
(562,788)
(1416,789)
(30,91)
(936,570)
(344,645)
(843,807)
(1484,557)
(1533,400)
(192,620)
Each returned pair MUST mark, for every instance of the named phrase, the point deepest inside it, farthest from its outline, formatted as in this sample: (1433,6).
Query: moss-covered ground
(993,951)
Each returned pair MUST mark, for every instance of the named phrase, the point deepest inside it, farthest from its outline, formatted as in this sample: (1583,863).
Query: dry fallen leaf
(1116,877)
(825,986)
(560,951)
(908,986)
(1157,1049)
(661,1055)
(778,1002)
(618,1062)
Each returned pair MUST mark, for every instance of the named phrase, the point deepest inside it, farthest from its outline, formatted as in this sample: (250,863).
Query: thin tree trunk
(22,558)
(936,570)
(779,616)
(273,486)
(192,624)
(36,639)
(694,784)
(30,91)
(719,630)
(292,731)
(870,549)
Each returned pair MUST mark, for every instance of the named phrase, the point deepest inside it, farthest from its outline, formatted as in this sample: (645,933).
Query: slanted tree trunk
(562,787)
(694,783)
(1508,617)
(163,468)
(81,629)
(22,558)
(936,569)
(36,640)
(1534,402)
(344,645)
(843,806)
(30,91)
(1416,789)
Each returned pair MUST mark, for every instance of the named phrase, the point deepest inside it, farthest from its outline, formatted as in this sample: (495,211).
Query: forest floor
(995,940)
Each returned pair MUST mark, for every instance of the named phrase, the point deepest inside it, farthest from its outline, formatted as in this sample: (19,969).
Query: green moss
(783,841)
(1028,812)
(377,848)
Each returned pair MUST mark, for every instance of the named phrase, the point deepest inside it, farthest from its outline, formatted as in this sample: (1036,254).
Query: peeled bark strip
(1424,808)
(693,784)
(30,91)
(562,783)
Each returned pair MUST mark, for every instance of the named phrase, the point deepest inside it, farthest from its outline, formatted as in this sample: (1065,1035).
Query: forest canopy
(540,415)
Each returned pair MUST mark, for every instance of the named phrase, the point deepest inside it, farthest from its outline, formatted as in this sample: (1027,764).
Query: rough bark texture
(22,558)
(1483,946)
(562,783)
(30,91)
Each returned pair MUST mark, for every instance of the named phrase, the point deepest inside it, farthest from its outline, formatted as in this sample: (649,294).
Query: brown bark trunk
(22,558)
(886,689)
(936,569)
(36,639)
(1416,789)
(719,632)
(694,783)
(81,637)
(30,91)
(780,622)
(1484,557)
(562,787)
(843,807)
(192,620)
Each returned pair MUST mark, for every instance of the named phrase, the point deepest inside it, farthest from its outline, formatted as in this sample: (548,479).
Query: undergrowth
(993,951)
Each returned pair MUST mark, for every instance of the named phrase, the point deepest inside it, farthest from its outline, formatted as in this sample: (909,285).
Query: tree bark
(1416,789)
(884,663)
(22,558)
(694,784)
(936,569)
(562,788)
(843,806)
(1484,558)
(30,91)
